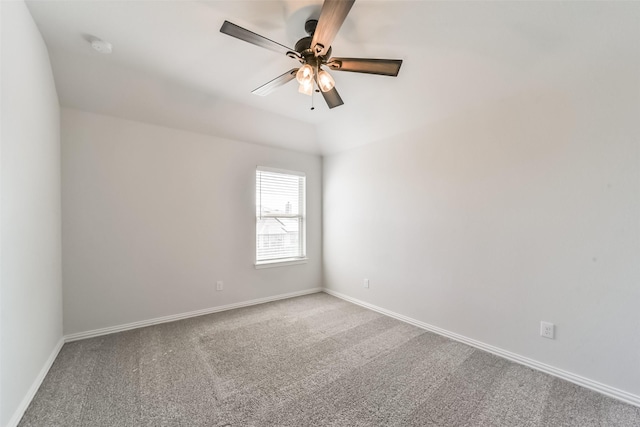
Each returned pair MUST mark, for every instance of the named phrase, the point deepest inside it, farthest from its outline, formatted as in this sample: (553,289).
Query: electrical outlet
(219,285)
(547,330)
(366,283)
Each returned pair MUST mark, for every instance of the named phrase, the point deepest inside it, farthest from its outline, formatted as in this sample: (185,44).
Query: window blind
(280,215)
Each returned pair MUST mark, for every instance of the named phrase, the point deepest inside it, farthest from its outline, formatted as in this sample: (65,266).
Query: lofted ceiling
(171,66)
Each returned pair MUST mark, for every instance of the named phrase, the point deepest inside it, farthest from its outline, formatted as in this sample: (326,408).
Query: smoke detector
(101,46)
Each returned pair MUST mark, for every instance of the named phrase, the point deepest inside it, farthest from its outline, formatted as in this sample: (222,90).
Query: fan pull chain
(312,91)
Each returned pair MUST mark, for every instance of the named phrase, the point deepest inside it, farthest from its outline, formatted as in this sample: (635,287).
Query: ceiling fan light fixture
(306,88)
(325,81)
(305,75)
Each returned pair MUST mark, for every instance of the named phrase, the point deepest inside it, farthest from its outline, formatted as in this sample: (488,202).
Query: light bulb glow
(306,88)
(305,74)
(325,81)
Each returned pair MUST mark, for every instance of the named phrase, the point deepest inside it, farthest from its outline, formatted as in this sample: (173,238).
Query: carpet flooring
(314,360)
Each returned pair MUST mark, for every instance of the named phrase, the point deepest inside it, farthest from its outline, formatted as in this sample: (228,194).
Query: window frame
(302,216)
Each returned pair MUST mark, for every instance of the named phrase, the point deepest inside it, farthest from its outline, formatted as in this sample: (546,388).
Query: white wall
(523,210)
(30,278)
(153,216)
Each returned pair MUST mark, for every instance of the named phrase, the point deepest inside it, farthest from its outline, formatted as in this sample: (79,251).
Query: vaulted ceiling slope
(171,65)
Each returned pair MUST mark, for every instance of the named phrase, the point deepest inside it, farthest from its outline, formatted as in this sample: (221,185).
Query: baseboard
(174,317)
(542,367)
(26,400)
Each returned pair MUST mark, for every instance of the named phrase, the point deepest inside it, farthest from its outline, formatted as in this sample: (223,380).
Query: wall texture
(30,266)
(153,217)
(527,209)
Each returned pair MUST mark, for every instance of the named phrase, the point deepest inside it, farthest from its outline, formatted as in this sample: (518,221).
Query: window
(280,216)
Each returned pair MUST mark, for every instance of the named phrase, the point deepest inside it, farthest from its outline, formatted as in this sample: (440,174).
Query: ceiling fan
(314,53)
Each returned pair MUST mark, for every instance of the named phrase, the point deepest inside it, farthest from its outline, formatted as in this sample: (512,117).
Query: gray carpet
(309,361)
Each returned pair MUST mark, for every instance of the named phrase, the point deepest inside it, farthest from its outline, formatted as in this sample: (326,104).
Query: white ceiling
(171,66)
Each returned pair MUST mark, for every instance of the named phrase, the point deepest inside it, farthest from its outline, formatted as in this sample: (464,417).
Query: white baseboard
(26,400)
(174,317)
(24,404)
(542,367)
(560,373)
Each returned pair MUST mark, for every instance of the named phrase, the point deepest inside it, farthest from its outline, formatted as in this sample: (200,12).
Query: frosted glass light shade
(325,81)
(307,88)
(305,74)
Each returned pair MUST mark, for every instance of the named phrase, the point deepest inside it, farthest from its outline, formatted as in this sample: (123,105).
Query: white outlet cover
(219,285)
(366,283)
(547,330)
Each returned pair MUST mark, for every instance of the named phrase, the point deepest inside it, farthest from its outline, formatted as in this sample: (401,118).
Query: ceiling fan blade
(267,88)
(383,67)
(332,98)
(332,16)
(249,36)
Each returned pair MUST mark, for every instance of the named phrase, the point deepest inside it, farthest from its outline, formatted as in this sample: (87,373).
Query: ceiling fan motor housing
(310,26)
(303,46)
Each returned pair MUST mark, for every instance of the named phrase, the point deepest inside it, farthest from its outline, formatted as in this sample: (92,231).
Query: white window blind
(280,215)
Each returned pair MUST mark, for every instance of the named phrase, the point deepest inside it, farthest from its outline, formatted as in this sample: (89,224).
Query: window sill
(280,263)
